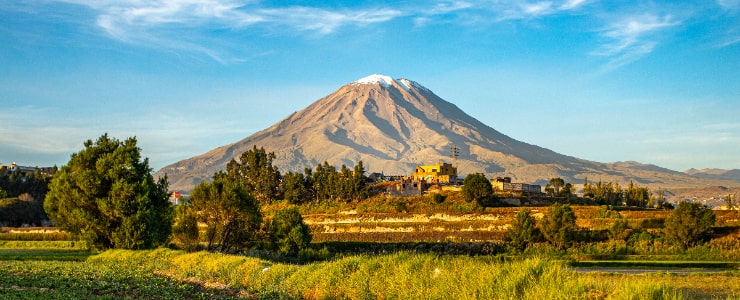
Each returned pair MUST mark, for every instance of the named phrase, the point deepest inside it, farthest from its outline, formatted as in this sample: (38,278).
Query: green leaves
(476,187)
(559,225)
(289,232)
(231,215)
(689,223)
(107,196)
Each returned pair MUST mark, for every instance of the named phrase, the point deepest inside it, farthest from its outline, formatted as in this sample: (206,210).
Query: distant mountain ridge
(392,125)
(733,174)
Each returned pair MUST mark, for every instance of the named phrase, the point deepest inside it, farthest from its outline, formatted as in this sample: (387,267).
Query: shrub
(438,198)
(619,231)
(185,229)
(559,225)
(523,230)
(288,231)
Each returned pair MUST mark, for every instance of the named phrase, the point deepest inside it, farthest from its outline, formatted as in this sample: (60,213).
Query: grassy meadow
(171,274)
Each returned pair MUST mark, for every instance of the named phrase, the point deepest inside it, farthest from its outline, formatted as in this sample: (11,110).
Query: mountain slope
(392,126)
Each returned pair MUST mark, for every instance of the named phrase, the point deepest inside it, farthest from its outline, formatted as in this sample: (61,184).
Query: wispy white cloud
(326,21)
(729,4)
(572,4)
(631,38)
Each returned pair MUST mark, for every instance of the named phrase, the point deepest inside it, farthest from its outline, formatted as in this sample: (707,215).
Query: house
(439,173)
(504,184)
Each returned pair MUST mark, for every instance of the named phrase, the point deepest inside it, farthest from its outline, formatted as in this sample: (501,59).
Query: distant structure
(436,174)
(23,170)
(504,184)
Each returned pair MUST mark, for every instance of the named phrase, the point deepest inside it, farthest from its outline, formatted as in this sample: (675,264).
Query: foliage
(14,184)
(343,184)
(476,187)
(21,197)
(255,172)
(689,223)
(231,215)
(56,277)
(523,230)
(185,230)
(553,186)
(288,231)
(559,225)
(438,198)
(16,212)
(391,276)
(296,188)
(107,196)
(619,230)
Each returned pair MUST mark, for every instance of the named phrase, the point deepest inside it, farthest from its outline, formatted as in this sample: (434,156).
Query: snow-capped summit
(383,80)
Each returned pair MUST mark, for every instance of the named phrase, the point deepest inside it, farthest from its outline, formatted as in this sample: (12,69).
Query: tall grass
(395,276)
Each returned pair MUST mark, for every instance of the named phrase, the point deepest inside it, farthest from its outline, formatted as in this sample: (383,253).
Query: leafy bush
(288,231)
(559,225)
(438,198)
(523,230)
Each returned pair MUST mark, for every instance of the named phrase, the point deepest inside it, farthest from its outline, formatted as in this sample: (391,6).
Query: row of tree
(687,225)
(107,197)
(255,171)
(607,193)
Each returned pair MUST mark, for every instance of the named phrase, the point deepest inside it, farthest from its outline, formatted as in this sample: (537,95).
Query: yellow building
(439,173)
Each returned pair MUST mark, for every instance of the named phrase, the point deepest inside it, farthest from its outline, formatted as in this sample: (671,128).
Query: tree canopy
(559,225)
(231,215)
(689,223)
(107,196)
(256,173)
(523,230)
(476,187)
(288,231)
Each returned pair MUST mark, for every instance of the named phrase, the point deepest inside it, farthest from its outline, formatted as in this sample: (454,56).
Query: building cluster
(23,170)
(444,174)
(504,184)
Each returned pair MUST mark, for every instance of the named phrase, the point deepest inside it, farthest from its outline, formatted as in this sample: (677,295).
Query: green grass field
(169,274)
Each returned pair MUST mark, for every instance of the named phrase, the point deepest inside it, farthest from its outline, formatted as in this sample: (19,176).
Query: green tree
(559,225)
(689,223)
(288,231)
(295,188)
(256,172)
(553,187)
(523,231)
(231,215)
(185,230)
(476,187)
(107,196)
(729,201)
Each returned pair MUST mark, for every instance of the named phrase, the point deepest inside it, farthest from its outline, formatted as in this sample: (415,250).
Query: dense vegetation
(22,198)
(107,196)
(167,274)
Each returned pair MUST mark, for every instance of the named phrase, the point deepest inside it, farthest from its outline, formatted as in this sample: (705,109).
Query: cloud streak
(631,38)
(175,24)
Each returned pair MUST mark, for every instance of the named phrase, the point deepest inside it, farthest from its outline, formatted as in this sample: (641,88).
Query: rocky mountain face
(392,125)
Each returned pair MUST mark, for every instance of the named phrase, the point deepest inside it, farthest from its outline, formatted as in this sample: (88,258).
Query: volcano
(393,125)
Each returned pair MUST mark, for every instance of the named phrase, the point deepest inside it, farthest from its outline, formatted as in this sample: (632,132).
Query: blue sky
(650,81)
